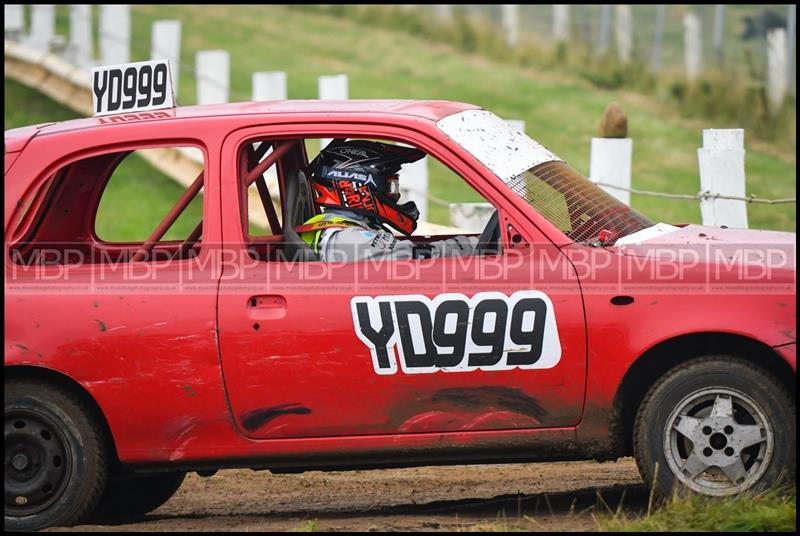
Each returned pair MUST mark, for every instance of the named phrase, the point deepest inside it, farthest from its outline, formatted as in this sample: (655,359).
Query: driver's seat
(296,210)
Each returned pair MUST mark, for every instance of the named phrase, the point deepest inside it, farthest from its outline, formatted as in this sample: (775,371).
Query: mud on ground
(541,497)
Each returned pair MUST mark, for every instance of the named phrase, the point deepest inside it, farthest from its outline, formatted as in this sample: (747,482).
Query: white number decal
(453,333)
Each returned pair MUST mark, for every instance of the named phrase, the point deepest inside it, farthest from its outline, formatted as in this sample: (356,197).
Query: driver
(356,184)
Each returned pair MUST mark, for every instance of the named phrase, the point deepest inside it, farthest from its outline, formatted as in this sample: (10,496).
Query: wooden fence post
(166,44)
(43,23)
(80,35)
(115,34)
(510,13)
(658,37)
(604,34)
(269,86)
(561,23)
(624,32)
(213,76)
(14,21)
(610,164)
(719,33)
(721,164)
(776,68)
(693,51)
(334,88)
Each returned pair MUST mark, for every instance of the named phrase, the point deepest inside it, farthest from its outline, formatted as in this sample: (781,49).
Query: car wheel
(136,495)
(715,426)
(56,459)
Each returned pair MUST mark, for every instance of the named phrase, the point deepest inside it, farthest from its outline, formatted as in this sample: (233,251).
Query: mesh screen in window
(574,204)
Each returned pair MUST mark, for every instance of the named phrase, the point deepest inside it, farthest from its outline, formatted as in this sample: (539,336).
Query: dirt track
(546,497)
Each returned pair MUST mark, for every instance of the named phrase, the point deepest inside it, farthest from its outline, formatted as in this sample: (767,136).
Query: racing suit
(341,236)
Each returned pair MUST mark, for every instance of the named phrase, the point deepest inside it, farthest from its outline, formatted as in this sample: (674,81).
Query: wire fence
(140,50)
(702,195)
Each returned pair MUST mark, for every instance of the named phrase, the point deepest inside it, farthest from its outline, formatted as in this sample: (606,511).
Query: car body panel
(178,374)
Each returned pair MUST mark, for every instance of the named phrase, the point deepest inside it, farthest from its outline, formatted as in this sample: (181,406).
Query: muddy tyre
(136,495)
(716,426)
(56,459)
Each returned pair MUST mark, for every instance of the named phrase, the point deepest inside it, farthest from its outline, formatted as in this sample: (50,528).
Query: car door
(471,344)
(140,335)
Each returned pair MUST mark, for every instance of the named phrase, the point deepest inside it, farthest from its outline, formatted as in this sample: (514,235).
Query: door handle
(266,307)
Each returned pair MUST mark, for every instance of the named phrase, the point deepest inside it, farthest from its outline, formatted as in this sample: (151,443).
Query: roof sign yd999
(132,87)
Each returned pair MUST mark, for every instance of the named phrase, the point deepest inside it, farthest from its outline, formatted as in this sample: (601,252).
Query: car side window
(115,207)
(264,198)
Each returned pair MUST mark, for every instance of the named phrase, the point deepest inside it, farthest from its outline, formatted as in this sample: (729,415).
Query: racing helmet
(362,176)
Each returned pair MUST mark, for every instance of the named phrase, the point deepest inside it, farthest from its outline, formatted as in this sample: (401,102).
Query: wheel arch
(656,361)
(58,379)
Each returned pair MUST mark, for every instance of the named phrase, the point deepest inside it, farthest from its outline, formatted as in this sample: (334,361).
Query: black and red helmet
(362,176)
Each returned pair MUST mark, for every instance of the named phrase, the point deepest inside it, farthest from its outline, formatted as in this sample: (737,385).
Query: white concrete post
(115,34)
(692,45)
(658,37)
(561,22)
(516,124)
(166,44)
(414,185)
(269,86)
(721,163)
(470,216)
(624,31)
(213,76)
(14,20)
(332,88)
(719,32)
(43,23)
(510,14)
(80,35)
(776,68)
(604,34)
(610,164)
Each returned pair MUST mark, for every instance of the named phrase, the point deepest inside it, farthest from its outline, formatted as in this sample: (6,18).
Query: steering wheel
(489,241)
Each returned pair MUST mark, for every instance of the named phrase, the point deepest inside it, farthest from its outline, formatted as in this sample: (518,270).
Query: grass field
(560,111)
(138,195)
(773,511)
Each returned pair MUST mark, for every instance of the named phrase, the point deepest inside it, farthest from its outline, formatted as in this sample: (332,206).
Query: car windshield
(568,200)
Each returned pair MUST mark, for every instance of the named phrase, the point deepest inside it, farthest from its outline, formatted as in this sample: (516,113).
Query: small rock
(614,123)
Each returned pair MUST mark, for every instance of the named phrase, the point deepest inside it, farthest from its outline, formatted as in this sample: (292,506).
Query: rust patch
(255,419)
(189,390)
(95,304)
(100,324)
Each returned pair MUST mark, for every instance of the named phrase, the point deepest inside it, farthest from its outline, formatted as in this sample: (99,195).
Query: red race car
(576,329)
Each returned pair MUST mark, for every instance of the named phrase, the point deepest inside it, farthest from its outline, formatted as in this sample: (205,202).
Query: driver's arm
(355,244)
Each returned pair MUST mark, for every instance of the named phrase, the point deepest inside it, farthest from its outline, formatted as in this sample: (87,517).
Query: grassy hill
(560,111)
